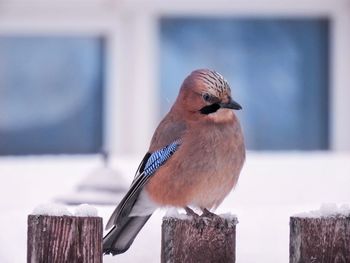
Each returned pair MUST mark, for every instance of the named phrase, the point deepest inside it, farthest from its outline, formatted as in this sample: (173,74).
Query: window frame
(338,14)
(132,72)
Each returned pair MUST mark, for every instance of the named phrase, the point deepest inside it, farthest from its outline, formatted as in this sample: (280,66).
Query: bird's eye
(206,97)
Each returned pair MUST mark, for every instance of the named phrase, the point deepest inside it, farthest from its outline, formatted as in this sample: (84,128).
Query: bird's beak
(231,105)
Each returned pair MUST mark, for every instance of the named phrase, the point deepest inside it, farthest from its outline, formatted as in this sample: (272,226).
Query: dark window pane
(277,68)
(50,95)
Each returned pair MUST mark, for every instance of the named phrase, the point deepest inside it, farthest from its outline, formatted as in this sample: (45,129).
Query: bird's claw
(207,213)
(190,212)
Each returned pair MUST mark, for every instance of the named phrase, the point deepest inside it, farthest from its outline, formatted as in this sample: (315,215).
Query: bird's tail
(120,238)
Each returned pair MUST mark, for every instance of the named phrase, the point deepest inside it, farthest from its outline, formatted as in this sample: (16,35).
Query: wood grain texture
(64,239)
(200,239)
(321,240)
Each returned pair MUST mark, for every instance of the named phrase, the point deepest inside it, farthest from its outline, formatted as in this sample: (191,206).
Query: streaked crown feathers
(212,80)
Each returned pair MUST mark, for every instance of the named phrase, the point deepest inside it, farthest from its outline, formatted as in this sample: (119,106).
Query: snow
(51,210)
(89,196)
(54,209)
(102,185)
(85,210)
(229,216)
(173,212)
(272,188)
(327,210)
(108,179)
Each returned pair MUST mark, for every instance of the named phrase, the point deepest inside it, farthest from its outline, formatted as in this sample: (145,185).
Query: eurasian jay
(194,160)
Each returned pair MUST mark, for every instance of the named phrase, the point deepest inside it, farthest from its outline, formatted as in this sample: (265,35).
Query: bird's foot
(190,212)
(207,213)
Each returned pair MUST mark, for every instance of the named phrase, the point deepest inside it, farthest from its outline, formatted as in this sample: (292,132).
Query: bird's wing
(142,165)
(148,166)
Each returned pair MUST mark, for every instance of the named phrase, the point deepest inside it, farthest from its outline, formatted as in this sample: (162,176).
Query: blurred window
(51,92)
(277,68)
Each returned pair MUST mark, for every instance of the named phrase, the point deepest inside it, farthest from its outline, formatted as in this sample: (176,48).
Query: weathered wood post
(64,239)
(198,239)
(319,239)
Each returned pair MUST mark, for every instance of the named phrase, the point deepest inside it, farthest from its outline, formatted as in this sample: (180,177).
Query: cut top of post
(65,238)
(320,236)
(198,238)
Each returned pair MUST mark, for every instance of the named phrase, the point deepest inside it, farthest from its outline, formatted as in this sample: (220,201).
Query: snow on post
(198,239)
(321,236)
(54,235)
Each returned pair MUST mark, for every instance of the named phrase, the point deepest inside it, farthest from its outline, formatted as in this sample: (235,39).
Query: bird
(193,162)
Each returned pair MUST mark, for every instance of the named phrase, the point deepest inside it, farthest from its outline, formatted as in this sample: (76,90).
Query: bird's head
(206,93)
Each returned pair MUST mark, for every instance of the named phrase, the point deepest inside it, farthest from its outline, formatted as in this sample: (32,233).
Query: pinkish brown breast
(205,168)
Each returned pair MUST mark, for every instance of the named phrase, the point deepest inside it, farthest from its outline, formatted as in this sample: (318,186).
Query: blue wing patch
(158,158)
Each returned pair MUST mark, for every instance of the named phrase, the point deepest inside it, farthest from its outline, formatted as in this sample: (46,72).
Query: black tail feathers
(119,238)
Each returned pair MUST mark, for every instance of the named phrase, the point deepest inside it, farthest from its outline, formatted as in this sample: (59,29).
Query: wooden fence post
(64,239)
(198,239)
(321,240)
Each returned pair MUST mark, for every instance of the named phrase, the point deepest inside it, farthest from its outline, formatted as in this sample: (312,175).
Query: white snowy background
(272,187)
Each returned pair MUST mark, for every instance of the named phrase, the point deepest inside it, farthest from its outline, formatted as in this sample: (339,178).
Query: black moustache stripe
(210,108)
